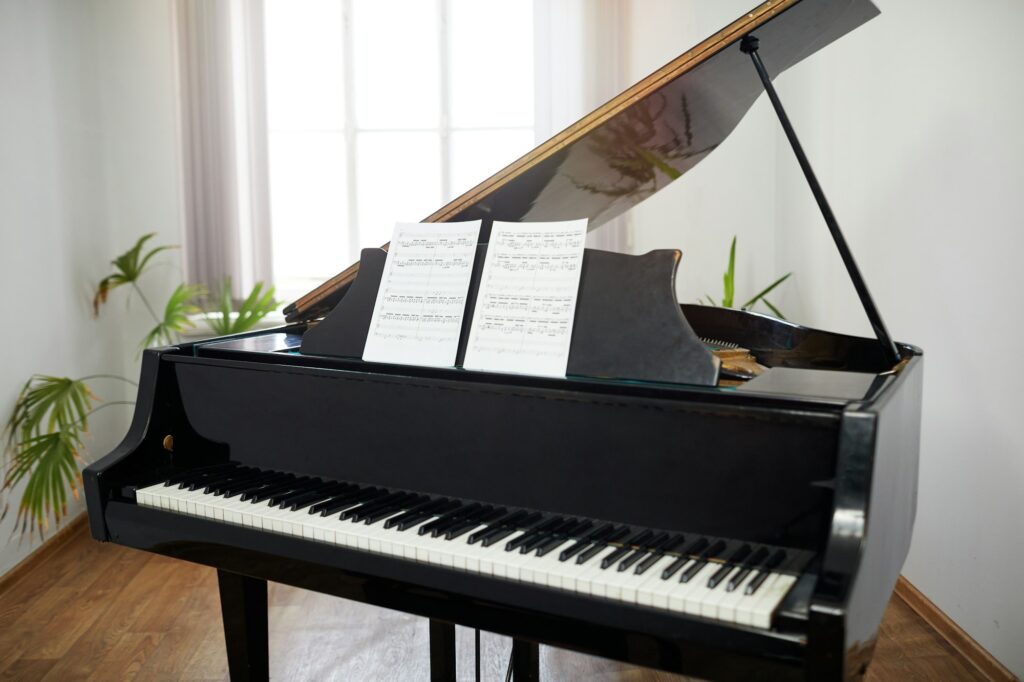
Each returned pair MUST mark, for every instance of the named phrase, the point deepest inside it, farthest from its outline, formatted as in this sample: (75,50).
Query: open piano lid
(643,139)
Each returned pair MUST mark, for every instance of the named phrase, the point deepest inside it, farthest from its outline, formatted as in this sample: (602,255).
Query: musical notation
(420,304)
(527,298)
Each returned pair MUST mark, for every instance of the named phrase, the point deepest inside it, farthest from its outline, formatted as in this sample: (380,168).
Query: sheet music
(527,298)
(417,318)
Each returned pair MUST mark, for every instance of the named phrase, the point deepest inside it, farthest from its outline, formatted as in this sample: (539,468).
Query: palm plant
(729,288)
(253,308)
(43,439)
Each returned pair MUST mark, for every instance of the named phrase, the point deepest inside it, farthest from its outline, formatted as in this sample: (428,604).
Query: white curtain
(580,65)
(223,127)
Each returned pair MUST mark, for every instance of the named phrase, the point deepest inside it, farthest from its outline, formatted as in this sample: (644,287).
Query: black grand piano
(658,505)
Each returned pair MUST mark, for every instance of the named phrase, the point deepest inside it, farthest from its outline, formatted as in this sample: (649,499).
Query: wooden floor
(102,612)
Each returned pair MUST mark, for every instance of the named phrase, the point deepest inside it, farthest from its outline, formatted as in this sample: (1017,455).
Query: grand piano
(654,506)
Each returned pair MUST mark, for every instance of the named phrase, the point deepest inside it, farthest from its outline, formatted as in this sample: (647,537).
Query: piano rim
(205,352)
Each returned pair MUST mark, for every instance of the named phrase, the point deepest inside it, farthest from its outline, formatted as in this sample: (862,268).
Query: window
(384,110)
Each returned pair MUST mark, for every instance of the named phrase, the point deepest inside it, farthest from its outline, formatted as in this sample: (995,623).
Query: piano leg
(525,661)
(442,651)
(243,605)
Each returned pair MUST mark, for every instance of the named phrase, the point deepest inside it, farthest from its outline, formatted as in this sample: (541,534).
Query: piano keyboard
(724,580)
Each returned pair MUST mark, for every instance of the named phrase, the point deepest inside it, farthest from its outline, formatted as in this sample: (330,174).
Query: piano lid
(646,137)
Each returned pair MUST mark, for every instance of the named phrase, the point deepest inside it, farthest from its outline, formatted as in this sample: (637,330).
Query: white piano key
(764,609)
(647,589)
(745,610)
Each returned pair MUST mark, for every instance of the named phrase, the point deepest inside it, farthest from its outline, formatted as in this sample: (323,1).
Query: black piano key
(218,487)
(423,509)
(248,486)
(447,517)
(283,493)
(539,538)
(360,496)
(469,524)
(536,534)
(358,513)
(671,543)
(182,476)
(526,520)
(529,525)
(756,559)
(766,569)
(702,561)
(571,529)
(550,544)
(417,519)
(351,491)
(497,535)
(734,560)
(592,551)
(756,582)
(695,547)
(460,515)
(206,477)
(498,524)
(322,492)
(636,539)
(581,529)
(692,570)
(269,484)
(240,481)
(369,504)
(390,510)
(287,486)
(598,547)
(596,535)
(650,548)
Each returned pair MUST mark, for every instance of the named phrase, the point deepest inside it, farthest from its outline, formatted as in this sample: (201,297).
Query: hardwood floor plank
(99,611)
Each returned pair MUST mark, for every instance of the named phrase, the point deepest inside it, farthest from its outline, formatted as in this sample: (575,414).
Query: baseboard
(49,546)
(981,659)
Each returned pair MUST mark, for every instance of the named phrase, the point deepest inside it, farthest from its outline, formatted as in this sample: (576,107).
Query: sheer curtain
(222,85)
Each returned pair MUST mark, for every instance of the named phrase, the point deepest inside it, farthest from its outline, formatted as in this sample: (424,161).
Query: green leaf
(128,268)
(59,402)
(766,291)
(42,437)
(257,305)
(175,320)
(775,310)
(729,279)
(49,462)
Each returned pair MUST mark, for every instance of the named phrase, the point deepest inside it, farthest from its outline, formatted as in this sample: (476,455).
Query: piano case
(816,458)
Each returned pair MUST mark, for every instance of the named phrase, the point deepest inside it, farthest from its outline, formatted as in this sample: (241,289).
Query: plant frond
(776,311)
(729,278)
(767,290)
(49,463)
(128,268)
(180,304)
(257,305)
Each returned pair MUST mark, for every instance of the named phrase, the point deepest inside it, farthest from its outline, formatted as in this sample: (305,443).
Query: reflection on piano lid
(719,532)
(643,139)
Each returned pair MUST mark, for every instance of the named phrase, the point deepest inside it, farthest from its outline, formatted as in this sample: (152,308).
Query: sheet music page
(417,318)
(527,298)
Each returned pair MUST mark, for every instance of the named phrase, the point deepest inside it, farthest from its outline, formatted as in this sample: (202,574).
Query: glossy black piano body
(818,454)
(811,469)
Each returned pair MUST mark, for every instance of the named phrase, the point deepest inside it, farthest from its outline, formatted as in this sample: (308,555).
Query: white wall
(913,124)
(86,165)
